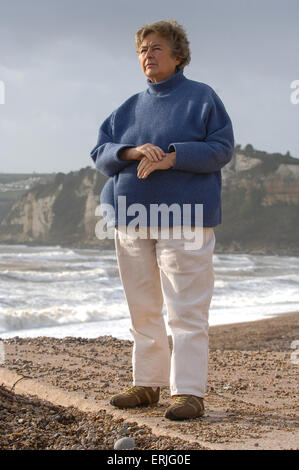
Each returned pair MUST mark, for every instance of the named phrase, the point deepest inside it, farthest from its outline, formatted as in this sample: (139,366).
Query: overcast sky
(67,64)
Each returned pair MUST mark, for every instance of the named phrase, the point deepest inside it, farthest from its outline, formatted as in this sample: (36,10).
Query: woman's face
(156,58)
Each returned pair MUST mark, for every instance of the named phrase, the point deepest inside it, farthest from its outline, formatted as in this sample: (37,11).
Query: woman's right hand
(152,152)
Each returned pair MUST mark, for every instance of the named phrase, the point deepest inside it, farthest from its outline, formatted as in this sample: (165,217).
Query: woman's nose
(149,52)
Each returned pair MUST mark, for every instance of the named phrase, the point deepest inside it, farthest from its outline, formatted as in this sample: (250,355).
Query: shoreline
(239,331)
(274,333)
(251,401)
(224,327)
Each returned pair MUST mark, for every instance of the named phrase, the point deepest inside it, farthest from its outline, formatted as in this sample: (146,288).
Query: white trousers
(153,270)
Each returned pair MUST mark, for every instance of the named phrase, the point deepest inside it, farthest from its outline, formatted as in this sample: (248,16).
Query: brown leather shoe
(185,407)
(136,396)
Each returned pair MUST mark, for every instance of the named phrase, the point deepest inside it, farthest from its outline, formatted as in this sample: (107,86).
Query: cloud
(67,64)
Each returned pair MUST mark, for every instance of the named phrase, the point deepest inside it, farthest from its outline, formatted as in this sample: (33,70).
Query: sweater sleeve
(106,153)
(215,150)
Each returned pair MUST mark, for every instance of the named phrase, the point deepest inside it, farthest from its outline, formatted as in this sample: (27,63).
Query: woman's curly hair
(174,33)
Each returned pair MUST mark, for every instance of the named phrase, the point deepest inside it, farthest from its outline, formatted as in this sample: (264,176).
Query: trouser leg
(187,283)
(141,281)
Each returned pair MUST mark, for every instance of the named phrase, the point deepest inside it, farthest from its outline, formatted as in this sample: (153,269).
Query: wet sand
(55,393)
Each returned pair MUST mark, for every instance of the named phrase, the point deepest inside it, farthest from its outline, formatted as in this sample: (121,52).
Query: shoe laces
(133,390)
(181,399)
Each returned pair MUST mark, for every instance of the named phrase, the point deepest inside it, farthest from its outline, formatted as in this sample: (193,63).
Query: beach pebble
(125,443)
(124,431)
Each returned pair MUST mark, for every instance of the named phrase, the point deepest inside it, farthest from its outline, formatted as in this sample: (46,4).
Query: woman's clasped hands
(153,158)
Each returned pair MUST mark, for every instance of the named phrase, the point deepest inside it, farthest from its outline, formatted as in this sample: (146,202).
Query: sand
(55,393)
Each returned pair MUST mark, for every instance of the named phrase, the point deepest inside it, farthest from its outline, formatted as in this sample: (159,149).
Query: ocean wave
(63,315)
(233,260)
(49,254)
(44,287)
(62,276)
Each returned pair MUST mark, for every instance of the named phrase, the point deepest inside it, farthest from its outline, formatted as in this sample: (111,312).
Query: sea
(58,292)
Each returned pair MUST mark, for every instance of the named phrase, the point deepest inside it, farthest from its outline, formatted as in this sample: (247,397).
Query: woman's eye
(143,51)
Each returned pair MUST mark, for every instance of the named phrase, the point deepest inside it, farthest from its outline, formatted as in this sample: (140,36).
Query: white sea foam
(62,276)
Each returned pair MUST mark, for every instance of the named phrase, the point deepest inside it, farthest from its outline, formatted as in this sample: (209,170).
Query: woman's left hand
(146,167)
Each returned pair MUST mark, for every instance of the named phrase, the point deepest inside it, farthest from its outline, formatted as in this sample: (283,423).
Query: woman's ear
(179,60)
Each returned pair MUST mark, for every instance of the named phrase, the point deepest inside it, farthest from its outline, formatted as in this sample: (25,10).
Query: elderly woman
(164,148)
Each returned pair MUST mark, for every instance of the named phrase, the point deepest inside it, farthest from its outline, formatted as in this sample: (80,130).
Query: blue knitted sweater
(178,115)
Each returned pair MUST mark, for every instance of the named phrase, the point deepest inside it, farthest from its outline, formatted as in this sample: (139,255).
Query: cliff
(60,212)
(260,204)
(14,185)
(260,207)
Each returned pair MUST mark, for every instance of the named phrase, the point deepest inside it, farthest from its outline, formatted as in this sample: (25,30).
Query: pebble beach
(251,401)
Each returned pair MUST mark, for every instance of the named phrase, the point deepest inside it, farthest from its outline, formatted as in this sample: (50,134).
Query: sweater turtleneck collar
(167,85)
